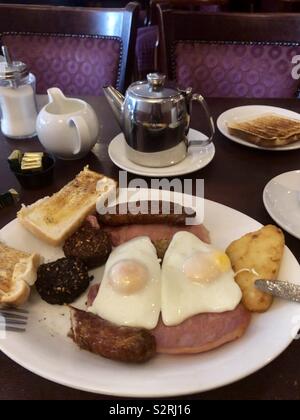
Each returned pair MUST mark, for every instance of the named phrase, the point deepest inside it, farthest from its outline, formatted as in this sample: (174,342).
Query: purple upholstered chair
(76,49)
(231,55)
(270,5)
(289,6)
(146,43)
(191,5)
(148,36)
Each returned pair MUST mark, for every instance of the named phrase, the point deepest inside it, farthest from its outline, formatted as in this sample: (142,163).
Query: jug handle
(83,133)
(199,98)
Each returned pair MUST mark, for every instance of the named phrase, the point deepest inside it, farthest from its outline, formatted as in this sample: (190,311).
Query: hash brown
(257,252)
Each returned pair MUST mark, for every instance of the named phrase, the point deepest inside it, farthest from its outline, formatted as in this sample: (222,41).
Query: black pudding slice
(90,244)
(62,281)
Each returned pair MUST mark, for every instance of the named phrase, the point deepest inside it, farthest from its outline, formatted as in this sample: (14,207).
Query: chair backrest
(202,5)
(77,49)
(246,5)
(230,55)
(289,5)
(269,6)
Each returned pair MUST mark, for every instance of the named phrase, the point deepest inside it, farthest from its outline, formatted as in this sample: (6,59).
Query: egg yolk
(128,277)
(205,267)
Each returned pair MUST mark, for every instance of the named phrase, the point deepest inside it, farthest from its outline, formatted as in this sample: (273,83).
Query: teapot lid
(153,88)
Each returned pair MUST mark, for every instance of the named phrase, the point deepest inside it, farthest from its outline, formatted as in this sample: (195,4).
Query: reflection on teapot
(155,121)
(67,127)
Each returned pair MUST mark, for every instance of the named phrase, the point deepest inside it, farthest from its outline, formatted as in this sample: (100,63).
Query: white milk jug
(67,127)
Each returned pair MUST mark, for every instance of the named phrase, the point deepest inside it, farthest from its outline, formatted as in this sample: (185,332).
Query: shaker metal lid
(13,71)
(153,87)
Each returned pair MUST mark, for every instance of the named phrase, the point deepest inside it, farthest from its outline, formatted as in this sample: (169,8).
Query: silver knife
(281,289)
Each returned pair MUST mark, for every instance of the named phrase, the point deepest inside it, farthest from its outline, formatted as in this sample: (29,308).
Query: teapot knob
(156,81)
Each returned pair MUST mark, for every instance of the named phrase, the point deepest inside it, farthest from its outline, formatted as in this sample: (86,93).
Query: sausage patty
(146,212)
(125,344)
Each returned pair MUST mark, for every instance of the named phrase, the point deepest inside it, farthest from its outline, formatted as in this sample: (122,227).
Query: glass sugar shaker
(17,98)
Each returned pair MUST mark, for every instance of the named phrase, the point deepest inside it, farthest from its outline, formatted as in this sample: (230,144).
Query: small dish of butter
(32,169)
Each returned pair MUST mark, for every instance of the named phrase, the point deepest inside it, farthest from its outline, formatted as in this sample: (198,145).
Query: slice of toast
(17,273)
(267,130)
(53,219)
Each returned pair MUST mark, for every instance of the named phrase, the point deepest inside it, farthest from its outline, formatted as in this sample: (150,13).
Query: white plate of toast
(46,349)
(261,127)
(282,201)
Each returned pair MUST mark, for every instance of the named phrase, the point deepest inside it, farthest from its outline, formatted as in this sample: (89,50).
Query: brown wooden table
(236,178)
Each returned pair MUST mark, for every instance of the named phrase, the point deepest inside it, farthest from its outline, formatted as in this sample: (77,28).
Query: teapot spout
(115,100)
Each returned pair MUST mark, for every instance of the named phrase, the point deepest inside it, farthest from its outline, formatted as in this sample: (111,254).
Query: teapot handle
(83,133)
(202,102)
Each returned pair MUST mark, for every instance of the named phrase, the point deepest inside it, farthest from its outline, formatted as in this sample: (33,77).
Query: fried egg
(196,278)
(130,291)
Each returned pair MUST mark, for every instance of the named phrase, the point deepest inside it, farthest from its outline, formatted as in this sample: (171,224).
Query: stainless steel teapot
(155,121)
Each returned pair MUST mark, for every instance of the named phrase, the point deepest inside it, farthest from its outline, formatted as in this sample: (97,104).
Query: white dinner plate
(46,350)
(197,158)
(282,201)
(249,111)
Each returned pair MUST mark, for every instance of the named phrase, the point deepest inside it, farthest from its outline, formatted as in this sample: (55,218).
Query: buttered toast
(53,219)
(17,273)
(267,130)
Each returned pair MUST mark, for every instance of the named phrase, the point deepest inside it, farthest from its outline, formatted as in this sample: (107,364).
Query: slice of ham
(202,332)
(160,234)
(197,334)
(93,221)
(92,294)
(156,232)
